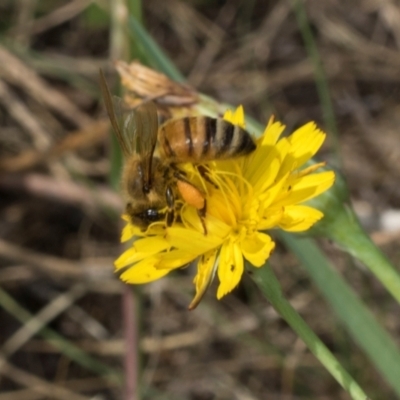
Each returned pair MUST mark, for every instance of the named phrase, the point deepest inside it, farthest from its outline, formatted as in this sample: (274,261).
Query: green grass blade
(341,225)
(269,285)
(359,321)
(155,56)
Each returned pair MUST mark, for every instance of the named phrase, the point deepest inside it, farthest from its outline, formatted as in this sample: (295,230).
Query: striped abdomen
(199,139)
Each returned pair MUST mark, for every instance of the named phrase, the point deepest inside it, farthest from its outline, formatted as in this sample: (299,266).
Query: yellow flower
(247,197)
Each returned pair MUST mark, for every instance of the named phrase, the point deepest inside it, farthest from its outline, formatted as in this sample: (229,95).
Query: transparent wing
(112,104)
(141,131)
(141,128)
(136,130)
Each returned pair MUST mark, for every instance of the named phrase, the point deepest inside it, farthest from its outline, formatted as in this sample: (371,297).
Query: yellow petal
(151,245)
(305,142)
(228,115)
(271,133)
(176,259)
(270,219)
(306,188)
(128,257)
(230,268)
(299,218)
(128,232)
(263,167)
(190,240)
(272,195)
(257,248)
(144,272)
(235,118)
(307,171)
(205,274)
(140,249)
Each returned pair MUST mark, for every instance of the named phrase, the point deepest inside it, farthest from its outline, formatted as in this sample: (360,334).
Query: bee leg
(178,174)
(169,196)
(204,174)
(202,215)
(181,175)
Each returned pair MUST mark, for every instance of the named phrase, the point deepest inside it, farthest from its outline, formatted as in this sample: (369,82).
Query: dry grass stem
(17,73)
(58,16)
(91,135)
(36,384)
(42,318)
(56,268)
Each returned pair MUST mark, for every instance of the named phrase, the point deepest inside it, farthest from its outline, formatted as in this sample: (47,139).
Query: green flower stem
(345,231)
(341,225)
(359,321)
(269,285)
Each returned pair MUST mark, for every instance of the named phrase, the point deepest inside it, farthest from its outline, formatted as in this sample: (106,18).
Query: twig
(130,314)
(58,16)
(90,135)
(81,385)
(67,192)
(26,12)
(37,384)
(42,318)
(17,73)
(55,267)
(24,117)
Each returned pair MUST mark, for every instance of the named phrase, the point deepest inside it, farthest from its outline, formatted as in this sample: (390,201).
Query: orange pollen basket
(191,195)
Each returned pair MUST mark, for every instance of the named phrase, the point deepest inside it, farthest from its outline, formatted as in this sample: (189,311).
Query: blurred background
(333,62)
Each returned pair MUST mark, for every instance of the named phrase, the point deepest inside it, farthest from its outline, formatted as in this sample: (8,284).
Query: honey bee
(151,179)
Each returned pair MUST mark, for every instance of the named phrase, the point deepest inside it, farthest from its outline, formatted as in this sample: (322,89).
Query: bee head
(145,191)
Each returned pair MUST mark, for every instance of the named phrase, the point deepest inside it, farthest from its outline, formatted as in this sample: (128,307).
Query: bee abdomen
(200,139)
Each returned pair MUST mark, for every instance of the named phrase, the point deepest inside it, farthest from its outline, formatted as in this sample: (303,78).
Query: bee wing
(114,107)
(141,128)
(136,130)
